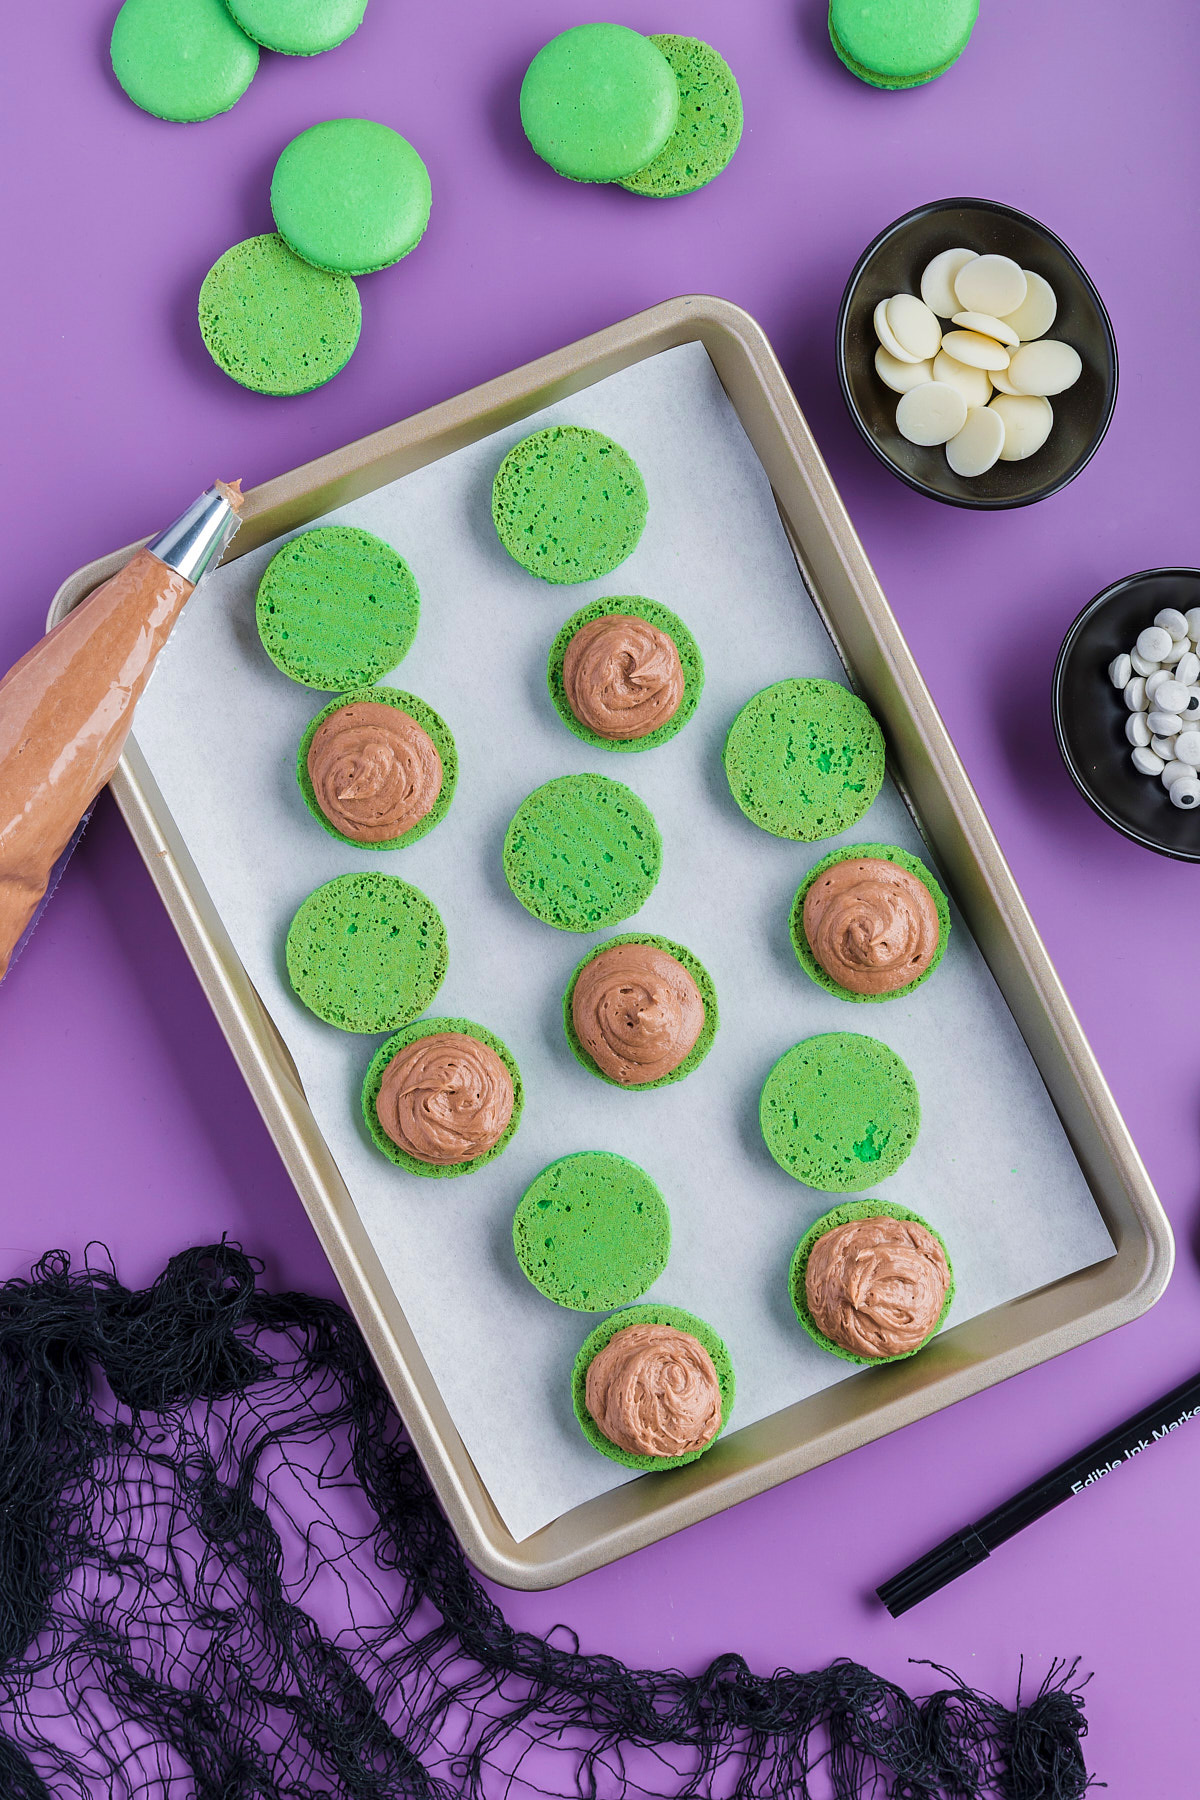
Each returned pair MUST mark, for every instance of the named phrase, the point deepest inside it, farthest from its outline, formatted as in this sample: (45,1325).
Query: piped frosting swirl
(446,1098)
(375,772)
(653,1391)
(637,1012)
(876,1287)
(622,676)
(871,925)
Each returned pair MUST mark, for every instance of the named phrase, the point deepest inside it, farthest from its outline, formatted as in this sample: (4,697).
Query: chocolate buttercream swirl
(622,676)
(871,925)
(446,1098)
(653,1391)
(637,1012)
(374,770)
(876,1287)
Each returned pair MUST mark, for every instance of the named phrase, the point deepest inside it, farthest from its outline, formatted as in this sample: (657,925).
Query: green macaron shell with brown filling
(431,723)
(373,1080)
(634,606)
(708,994)
(850,1213)
(884,853)
(650,1314)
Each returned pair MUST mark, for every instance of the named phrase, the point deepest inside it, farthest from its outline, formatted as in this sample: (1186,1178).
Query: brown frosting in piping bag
(653,1391)
(876,1287)
(446,1098)
(871,925)
(637,1012)
(622,676)
(374,770)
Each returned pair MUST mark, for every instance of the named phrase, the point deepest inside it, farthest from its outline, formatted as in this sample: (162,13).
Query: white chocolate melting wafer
(979,444)
(1045,367)
(972,347)
(913,326)
(991,284)
(1037,311)
(1027,421)
(973,384)
(883,332)
(989,325)
(931,414)
(937,283)
(900,376)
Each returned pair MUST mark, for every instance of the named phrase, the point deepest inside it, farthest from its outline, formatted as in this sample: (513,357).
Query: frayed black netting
(223,1576)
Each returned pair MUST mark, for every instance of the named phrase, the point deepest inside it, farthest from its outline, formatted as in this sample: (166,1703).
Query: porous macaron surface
(804,759)
(635,606)
(852,852)
(592,1231)
(374,1078)
(850,1213)
(337,607)
(582,852)
(350,195)
(599,102)
(840,1111)
(699,975)
(709,127)
(900,43)
(274,323)
(569,504)
(431,722)
(367,952)
(298,27)
(182,60)
(649,1314)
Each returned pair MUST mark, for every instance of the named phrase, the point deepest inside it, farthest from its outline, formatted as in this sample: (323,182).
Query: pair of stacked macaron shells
(1159,680)
(280,313)
(659,115)
(945,379)
(187,60)
(892,45)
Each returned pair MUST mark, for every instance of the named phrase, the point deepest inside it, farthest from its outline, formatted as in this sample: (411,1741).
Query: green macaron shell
(298,27)
(804,759)
(840,1112)
(599,102)
(709,127)
(582,852)
(431,723)
(274,323)
(708,1030)
(350,195)
(337,607)
(592,1231)
(569,504)
(367,952)
(886,853)
(849,1214)
(182,60)
(680,1320)
(691,661)
(900,43)
(374,1079)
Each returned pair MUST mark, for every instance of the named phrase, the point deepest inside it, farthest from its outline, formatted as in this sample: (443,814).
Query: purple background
(122,1115)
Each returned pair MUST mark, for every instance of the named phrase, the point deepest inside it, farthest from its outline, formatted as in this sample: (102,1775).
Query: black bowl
(1090,714)
(894,264)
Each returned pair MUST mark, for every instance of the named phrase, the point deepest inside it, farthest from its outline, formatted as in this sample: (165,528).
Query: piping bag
(66,707)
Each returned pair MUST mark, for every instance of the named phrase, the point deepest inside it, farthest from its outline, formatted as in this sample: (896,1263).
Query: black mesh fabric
(223,1576)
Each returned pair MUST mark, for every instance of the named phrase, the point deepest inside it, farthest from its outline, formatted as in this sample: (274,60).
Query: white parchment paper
(219,726)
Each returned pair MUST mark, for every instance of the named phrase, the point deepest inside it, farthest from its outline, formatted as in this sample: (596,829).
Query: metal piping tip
(199,537)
